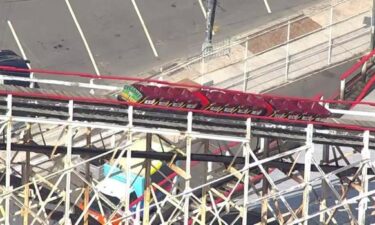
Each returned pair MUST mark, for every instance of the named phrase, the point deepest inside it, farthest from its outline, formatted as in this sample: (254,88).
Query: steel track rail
(117,115)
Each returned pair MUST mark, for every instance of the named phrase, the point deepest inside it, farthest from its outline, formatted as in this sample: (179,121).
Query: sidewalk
(314,44)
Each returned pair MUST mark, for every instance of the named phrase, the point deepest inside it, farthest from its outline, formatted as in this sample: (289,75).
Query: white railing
(337,35)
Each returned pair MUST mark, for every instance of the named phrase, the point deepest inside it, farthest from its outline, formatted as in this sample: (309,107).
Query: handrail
(361,63)
(364,91)
(245,37)
(356,66)
(126,78)
(279,64)
(134,79)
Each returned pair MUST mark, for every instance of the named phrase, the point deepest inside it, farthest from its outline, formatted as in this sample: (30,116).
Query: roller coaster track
(112,113)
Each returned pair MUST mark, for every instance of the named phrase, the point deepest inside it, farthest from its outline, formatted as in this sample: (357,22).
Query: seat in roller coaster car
(285,107)
(151,93)
(217,100)
(278,106)
(259,106)
(320,110)
(243,106)
(314,110)
(295,112)
(230,104)
(308,113)
(166,95)
(193,100)
(178,97)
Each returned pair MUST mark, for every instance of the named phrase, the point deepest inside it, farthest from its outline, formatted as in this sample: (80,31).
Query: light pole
(210,19)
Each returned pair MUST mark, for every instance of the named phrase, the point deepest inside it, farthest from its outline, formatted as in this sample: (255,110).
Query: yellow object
(156,165)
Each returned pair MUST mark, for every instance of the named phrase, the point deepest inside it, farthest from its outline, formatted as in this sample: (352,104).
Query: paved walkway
(312,86)
(309,52)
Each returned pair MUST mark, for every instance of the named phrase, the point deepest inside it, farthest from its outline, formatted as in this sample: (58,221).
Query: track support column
(67,164)
(8,160)
(25,180)
(246,177)
(188,164)
(86,198)
(264,207)
(147,199)
(128,166)
(325,187)
(362,206)
(205,188)
(307,173)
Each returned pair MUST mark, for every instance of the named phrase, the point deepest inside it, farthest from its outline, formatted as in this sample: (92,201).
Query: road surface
(115,35)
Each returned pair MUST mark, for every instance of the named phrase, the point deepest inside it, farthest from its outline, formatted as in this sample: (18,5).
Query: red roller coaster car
(221,101)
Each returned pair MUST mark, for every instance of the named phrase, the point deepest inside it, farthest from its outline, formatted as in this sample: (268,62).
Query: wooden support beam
(147,193)
(264,208)
(86,199)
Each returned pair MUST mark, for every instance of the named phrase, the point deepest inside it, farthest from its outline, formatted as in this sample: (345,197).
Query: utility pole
(210,20)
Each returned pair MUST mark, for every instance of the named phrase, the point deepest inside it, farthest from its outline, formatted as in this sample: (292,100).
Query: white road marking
(83,37)
(267,6)
(21,50)
(145,29)
(202,8)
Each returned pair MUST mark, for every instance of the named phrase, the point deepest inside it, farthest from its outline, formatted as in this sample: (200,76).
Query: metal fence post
(330,37)
(342,89)
(245,65)
(203,67)
(287,54)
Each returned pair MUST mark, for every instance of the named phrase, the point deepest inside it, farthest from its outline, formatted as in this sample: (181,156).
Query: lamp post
(210,19)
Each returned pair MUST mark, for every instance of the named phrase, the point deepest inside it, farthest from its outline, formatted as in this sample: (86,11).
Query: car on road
(11,59)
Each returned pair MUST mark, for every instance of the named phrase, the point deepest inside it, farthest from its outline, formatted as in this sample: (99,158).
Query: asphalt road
(116,37)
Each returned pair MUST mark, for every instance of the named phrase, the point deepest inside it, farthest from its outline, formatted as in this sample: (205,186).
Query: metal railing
(304,44)
(356,72)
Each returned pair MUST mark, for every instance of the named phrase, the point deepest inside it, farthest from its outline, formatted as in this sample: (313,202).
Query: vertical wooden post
(88,179)
(25,181)
(147,193)
(307,173)
(264,208)
(8,160)
(205,188)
